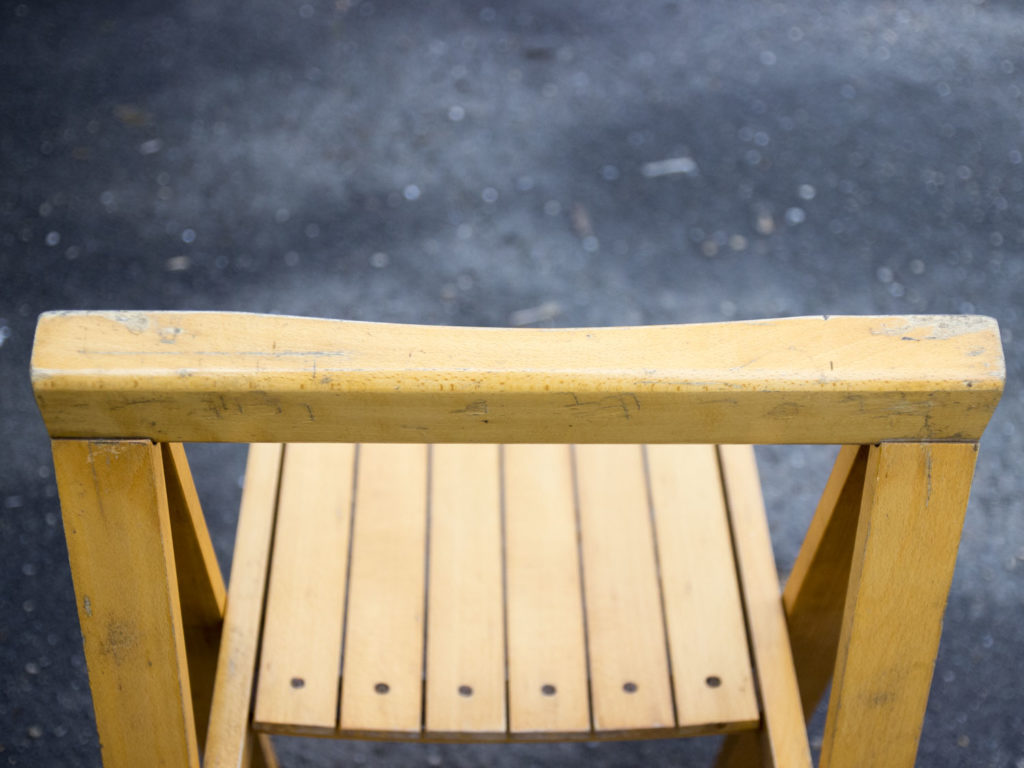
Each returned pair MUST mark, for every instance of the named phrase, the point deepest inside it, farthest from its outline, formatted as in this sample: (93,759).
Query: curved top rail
(232,377)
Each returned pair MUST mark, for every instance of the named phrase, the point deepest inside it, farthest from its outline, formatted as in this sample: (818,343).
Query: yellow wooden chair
(457,534)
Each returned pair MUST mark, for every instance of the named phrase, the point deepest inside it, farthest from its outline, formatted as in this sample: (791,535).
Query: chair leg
(915,496)
(201,586)
(118,531)
(815,592)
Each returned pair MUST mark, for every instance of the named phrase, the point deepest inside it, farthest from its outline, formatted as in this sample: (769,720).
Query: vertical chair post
(118,531)
(915,496)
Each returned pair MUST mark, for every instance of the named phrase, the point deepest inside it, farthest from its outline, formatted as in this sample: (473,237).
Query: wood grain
(230,737)
(300,657)
(815,592)
(915,496)
(784,733)
(629,675)
(116,521)
(466,617)
(547,658)
(250,378)
(200,585)
(712,676)
(382,670)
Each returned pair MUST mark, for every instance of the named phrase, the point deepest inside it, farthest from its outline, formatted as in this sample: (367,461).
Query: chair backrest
(230,377)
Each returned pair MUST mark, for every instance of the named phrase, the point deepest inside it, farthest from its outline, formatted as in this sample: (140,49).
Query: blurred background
(516,163)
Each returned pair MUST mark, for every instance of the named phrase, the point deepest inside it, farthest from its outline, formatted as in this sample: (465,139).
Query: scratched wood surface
(915,496)
(114,506)
(250,378)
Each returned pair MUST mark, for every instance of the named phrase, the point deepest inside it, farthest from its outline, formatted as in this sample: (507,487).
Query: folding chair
(466,534)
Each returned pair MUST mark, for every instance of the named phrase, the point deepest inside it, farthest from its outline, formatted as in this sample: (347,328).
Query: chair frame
(908,397)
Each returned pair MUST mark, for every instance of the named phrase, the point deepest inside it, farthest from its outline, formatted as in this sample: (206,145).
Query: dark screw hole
(714,681)
(629,687)
(547,689)
(298,682)
(465,690)
(382,688)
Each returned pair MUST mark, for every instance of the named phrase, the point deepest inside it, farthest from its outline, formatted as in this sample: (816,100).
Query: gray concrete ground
(454,162)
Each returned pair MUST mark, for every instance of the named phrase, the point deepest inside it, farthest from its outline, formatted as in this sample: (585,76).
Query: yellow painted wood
(382,673)
(249,378)
(466,619)
(200,584)
(629,675)
(116,521)
(199,578)
(712,676)
(300,658)
(816,589)
(784,733)
(230,737)
(915,496)
(547,662)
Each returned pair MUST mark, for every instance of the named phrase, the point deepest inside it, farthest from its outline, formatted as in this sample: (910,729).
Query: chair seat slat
(546,636)
(465,686)
(382,669)
(629,674)
(301,657)
(712,676)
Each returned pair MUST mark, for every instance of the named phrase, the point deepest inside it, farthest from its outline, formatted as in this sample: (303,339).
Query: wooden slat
(300,660)
(547,663)
(175,376)
(713,681)
(200,585)
(816,589)
(116,520)
(915,496)
(629,675)
(230,737)
(466,619)
(784,736)
(382,673)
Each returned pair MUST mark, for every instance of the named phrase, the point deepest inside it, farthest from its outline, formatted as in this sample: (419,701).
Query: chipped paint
(937,327)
